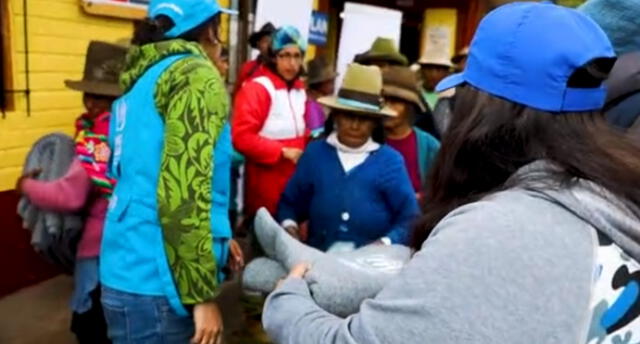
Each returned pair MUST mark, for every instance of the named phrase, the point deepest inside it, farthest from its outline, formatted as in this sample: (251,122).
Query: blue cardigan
(372,201)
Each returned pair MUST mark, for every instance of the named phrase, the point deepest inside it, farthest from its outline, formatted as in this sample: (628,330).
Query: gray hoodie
(520,266)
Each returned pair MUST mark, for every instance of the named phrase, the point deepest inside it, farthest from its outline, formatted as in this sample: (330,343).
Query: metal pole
(234,33)
(246,10)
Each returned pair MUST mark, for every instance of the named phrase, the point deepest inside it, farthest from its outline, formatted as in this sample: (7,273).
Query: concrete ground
(40,314)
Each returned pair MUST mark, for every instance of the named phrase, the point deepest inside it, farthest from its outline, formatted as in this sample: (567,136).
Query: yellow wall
(59,33)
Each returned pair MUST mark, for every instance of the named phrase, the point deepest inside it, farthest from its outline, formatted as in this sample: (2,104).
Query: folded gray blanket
(53,235)
(339,282)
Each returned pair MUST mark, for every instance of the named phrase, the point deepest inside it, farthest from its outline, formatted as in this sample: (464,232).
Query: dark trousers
(90,327)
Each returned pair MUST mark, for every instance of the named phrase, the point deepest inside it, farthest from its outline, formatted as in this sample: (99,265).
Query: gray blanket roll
(53,235)
(339,282)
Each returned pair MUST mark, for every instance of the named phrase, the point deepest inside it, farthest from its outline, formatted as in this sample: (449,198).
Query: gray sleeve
(511,269)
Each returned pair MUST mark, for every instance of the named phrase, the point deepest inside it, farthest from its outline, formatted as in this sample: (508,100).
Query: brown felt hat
(266,30)
(437,61)
(319,70)
(103,65)
(402,83)
(360,92)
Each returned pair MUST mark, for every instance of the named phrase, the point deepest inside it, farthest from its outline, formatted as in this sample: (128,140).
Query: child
(86,187)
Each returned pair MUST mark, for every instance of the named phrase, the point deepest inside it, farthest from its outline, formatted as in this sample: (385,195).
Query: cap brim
(427,62)
(229,11)
(321,79)
(368,57)
(409,96)
(333,103)
(451,81)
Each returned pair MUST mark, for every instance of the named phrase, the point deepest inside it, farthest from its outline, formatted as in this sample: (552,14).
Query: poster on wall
(284,12)
(439,34)
(361,25)
(319,28)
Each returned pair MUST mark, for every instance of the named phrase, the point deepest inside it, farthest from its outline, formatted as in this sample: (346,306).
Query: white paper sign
(361,25)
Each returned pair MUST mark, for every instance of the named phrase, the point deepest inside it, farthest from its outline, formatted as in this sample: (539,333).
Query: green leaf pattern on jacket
(191,97)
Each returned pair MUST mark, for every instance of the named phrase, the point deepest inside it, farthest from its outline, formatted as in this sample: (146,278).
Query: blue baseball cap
(185,14)
(526,52)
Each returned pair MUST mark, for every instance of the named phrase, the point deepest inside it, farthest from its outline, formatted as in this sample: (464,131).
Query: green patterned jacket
(191,98)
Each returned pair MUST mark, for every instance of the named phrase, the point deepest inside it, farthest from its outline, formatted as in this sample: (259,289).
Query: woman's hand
(208,324)
(298,271)
(292,154)
(237,256)
(31,174)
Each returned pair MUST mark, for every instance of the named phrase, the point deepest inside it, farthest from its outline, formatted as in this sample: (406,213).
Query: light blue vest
(133,258)
(221,195)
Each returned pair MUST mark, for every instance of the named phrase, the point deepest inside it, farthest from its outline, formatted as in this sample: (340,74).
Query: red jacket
(249,70)
(268,116)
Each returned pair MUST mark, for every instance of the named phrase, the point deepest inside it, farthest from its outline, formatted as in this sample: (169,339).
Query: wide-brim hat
(360,93)
(439,61)
(383,49)
(319,70)
(266,30)
(103,64)
(402,83)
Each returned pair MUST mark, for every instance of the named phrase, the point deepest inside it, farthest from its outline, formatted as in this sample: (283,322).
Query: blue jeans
(141,319)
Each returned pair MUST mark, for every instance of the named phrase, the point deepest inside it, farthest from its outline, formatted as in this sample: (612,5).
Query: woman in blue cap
(532,225)
(167,233)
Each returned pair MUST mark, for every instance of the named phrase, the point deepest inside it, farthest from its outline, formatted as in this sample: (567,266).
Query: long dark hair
(377,135)
(490,139)
(152,30)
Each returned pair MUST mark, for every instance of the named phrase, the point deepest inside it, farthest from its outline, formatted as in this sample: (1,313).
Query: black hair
(224,53)
(378,132)
(153,30)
